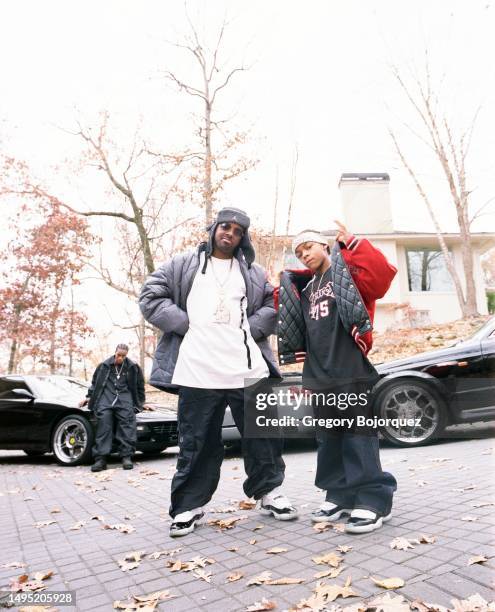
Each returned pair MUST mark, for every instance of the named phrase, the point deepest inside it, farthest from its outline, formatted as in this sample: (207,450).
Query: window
(427,271)
(8,384)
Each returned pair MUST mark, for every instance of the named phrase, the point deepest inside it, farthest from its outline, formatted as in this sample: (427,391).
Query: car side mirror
(23,393)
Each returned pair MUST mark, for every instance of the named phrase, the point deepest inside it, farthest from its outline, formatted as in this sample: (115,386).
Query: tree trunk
(208,203)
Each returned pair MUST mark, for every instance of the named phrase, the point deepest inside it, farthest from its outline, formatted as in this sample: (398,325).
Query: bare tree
(451,151)
(216,164)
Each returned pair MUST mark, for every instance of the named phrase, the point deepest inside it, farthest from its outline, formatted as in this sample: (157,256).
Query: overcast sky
(319,78)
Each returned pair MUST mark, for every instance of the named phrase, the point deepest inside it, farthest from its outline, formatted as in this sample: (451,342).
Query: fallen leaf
(252,542)
(226,523)
(77,526)
(55,511)
(325,593)
(475,603)
(329,573)
(260,579)
(426,539)
(402,543)
(14,565)
(344,549)
(463,490)
(483,504)
(206,576)
(233,549)
(389,603)
(285,581)
(261,606)
(246,505)
(44,524)
(330,559)
(389,583)
(477,559)
(97,517)
(131,560)
(258,527)
(136,603)
(43,575)
(164,553)
(276,551)
(422,483)
(235,576)
(469,519)
(122,527)
(224,510)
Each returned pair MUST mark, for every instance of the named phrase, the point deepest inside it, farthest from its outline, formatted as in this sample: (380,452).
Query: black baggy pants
(201,450)
(349,470)
(118,420)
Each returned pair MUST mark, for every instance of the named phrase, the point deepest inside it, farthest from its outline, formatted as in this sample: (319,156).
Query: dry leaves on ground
(122,527)
(329,559)
(276,551)
(266,578)
(226,523)
(389,583)
(469,519)
(261,606)
(234,577)
(344,549)
(477,559)
(325,593)
(475,603)
(246,504)
(188,566)
(329,573)
(224,510)
(144,603)
(24,583)
(77,526)
(131,560)
(14,565)
(164,553)
(325,526)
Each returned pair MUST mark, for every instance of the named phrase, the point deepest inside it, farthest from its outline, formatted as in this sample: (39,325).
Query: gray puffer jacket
(163,302)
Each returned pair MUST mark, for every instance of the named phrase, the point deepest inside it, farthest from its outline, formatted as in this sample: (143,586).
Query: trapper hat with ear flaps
(231,215)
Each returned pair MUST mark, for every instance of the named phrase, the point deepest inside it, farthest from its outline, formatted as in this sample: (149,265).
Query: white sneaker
(278,505)
(364,521)
(185,522)
(328,511)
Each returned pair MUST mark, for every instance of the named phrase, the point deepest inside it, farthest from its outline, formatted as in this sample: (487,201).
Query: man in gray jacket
(215,308)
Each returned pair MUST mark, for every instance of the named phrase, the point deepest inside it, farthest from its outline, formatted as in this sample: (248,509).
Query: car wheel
(72,440)
(33,453)
(410,400)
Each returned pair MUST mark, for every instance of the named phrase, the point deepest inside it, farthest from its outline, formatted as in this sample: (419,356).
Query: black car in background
(40,414)
(443,387)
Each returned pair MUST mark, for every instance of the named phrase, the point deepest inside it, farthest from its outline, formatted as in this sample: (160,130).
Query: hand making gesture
(342,234)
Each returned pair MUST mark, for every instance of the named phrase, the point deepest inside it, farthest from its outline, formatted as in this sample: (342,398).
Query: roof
(370,177)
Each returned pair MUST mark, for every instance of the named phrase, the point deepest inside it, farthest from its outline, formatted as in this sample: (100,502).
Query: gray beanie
(231,215)
(308,236)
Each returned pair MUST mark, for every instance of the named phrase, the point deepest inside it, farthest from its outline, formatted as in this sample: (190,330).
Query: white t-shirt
(213,355)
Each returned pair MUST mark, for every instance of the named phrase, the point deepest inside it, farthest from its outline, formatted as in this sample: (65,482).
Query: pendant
(118,376)
(222,315)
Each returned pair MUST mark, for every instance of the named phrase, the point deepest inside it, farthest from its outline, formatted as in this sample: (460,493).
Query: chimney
(366,202)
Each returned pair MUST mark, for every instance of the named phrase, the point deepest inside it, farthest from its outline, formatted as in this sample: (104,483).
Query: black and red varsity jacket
(360,274)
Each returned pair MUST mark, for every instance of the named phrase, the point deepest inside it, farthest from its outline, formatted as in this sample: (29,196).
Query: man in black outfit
(115,395)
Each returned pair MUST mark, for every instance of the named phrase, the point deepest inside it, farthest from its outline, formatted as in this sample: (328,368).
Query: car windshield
(59,388)
(480,333)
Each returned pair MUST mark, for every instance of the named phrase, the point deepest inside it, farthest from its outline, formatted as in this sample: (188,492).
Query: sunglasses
(238,233)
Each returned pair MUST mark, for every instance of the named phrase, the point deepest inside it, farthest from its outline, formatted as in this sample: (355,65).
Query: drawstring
(248,350)
(203,270)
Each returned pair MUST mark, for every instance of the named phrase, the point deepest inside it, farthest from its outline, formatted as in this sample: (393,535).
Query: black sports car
(438,388)
(40,414)
(431,390)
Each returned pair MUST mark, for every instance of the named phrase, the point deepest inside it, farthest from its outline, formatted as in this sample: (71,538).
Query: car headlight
(142,428)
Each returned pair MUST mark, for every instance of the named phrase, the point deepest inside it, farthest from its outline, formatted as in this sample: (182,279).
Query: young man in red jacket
(348,462)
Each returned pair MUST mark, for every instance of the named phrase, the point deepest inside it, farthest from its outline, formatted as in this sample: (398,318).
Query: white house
(422,291)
